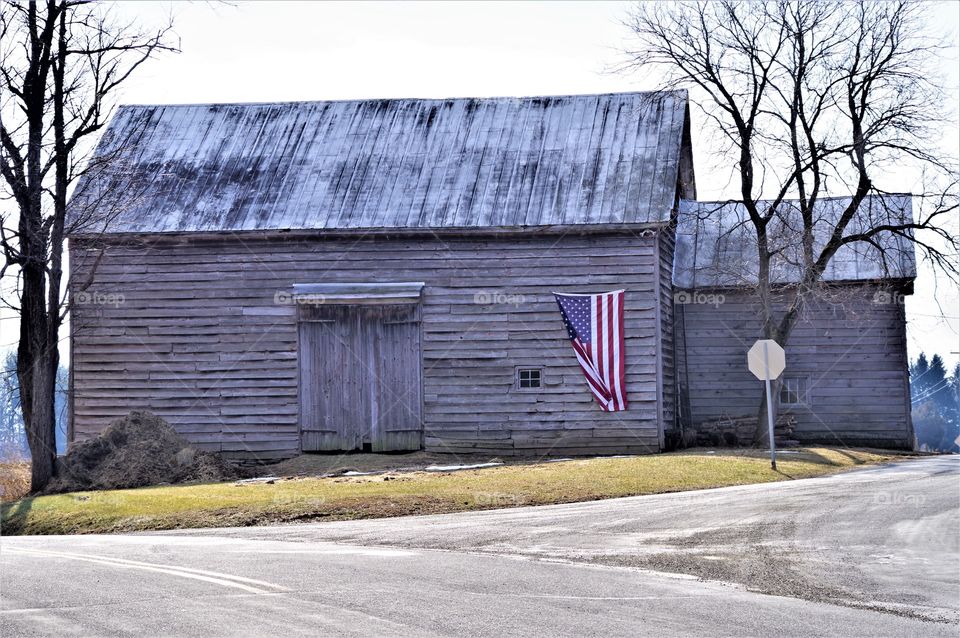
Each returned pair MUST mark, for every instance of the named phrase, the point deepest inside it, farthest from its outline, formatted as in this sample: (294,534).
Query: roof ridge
(410,99)
(791,199)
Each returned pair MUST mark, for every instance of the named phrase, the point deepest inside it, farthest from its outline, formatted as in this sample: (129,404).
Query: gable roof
(387,164)
(717,243)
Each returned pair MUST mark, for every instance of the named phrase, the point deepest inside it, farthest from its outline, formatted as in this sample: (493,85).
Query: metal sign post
(766,381)
(766,360)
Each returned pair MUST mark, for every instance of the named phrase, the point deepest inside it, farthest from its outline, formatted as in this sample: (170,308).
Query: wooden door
(396,399)
(360,378)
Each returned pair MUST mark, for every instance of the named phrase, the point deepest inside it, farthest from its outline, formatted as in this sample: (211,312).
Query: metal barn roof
(717,244)
(383,164)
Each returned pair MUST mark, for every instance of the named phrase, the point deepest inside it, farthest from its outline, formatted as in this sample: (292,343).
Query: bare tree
(809,98)
(61,65)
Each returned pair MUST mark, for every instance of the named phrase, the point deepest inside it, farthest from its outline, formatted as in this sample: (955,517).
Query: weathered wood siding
(200,338)
(665,246)
(682,397)
(851,348)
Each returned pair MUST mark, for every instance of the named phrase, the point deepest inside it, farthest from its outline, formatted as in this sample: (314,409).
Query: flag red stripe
(618,345)
(589,372)
(596,340)
(608,320)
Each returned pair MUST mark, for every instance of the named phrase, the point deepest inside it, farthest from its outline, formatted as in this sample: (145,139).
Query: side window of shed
(793,391)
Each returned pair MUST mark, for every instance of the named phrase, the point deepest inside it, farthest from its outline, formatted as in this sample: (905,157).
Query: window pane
(793,391)
(529,378)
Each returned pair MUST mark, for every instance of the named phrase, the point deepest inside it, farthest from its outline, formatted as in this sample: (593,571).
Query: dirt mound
(137,450)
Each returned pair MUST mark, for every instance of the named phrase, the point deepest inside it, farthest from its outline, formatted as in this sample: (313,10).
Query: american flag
(595,326)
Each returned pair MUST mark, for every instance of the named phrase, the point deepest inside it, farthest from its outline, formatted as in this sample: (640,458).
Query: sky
(282,51)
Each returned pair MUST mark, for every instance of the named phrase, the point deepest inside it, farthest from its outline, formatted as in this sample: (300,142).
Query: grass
(398,494)
(14,480)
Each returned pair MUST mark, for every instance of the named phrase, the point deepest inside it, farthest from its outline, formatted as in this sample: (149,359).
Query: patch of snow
(557,460)
(356,473)
(454,468)
(258,479)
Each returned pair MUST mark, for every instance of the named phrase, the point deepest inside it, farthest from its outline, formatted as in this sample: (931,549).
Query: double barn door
(360,377)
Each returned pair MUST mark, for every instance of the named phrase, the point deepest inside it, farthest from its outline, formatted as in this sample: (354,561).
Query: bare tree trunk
(42,428)
(36,377)
(57,96)
(761,436)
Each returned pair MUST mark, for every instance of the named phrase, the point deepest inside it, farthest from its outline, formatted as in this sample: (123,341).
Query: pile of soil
(137,450)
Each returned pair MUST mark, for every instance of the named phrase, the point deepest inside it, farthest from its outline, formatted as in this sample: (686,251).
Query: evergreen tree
(952,398)
(937,370)
(938,386)
(918,373)
(936,404)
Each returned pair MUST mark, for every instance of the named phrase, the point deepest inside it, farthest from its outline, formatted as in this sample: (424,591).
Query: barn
(380,275)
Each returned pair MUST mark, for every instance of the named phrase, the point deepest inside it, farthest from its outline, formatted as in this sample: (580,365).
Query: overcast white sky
(279,51)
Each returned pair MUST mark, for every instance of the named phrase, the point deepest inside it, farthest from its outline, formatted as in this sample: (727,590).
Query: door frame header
(360,293)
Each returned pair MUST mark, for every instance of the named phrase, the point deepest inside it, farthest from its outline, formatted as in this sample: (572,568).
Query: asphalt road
(868,553)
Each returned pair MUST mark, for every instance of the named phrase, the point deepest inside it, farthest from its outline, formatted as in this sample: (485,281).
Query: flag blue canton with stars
(576,316)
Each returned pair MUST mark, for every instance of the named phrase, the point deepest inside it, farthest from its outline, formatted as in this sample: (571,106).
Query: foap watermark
(497,499)
(699,298)
(498,298)
(889,297)
(288,298)
(888,498)
(96,298)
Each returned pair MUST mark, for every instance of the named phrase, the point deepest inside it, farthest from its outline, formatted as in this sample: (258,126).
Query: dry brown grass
(416,492)
(14,480)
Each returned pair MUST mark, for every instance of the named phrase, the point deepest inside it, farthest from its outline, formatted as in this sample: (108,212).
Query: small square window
(529,378)
(793,391)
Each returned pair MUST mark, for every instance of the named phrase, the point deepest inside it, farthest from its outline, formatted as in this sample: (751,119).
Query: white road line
(217,578)
(346,551)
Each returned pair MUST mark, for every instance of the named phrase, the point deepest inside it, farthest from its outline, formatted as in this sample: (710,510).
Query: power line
(929,392)
(922,314)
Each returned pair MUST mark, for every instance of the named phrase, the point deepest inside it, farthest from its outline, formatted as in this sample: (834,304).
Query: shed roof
(717,243)
(387,164)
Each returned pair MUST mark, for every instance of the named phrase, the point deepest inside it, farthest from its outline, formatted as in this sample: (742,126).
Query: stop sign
(766,359)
